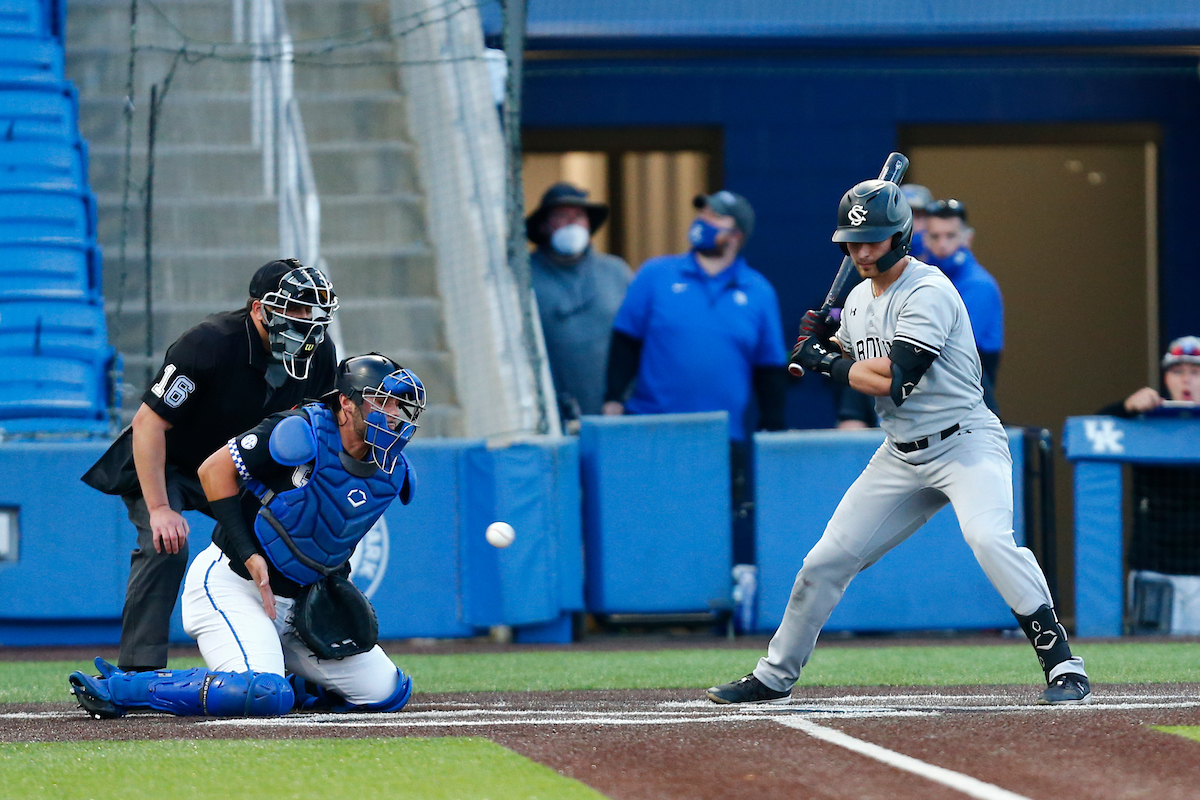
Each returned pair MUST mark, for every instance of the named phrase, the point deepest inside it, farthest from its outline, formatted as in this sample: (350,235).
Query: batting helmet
(874,211)
(372,382)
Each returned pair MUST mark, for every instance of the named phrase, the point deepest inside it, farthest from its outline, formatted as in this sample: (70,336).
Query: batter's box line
(802,707)
(400,722)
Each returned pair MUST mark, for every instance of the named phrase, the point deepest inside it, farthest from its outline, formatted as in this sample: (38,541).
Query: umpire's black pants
(154,579)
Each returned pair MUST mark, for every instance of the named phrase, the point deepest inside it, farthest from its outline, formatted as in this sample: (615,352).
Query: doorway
(1065,218)
(647,177)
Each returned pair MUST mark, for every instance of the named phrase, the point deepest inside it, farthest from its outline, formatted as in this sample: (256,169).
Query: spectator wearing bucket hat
(700,331)
(578,292)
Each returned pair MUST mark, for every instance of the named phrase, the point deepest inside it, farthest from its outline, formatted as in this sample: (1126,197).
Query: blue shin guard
(183,692)
(314,697)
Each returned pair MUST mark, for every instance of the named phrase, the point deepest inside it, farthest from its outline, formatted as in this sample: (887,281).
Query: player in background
(919,200)
(218,379)
(316,478)
(948,247)
(1164,546)
(908,342)
(1180,377)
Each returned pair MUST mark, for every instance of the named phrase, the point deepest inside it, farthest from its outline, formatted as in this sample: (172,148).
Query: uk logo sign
(1104,435)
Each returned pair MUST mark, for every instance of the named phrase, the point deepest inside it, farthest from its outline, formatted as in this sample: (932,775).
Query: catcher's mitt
(335,619)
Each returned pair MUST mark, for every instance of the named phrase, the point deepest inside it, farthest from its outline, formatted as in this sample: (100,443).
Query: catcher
(271,593)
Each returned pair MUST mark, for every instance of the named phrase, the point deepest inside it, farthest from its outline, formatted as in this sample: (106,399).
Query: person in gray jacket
(578,291)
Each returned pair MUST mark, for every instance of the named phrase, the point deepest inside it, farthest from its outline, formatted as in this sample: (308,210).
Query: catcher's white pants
(224,614)
(894,496)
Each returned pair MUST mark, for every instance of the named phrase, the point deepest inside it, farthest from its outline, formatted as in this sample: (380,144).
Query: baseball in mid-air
(500,534)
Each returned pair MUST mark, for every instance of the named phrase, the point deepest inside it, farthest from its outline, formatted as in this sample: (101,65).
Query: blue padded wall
(535,488)
(657,526)
(930,581)
(426,566)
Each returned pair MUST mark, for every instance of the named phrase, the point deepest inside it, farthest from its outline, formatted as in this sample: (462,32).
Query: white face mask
(570,240)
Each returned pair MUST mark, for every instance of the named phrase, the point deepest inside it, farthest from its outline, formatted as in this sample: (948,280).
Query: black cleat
(746,690)
(1070,689)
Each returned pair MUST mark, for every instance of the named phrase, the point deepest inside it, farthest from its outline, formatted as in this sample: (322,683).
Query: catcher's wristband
(238,538)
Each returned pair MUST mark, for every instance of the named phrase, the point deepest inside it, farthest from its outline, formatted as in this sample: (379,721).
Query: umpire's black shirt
(214,384)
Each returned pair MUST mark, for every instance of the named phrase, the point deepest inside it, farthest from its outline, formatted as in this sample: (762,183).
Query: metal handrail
(277,127)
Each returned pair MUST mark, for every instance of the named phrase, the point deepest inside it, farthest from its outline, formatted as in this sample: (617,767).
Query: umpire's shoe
(746,690)
(1071,689)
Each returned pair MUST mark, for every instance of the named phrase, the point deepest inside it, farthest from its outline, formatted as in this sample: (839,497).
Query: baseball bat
(893,170)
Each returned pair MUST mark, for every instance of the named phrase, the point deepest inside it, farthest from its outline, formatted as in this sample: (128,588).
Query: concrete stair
(213,221)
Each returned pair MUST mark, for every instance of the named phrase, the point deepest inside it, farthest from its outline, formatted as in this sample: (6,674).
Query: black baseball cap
(729,204)
(267,277)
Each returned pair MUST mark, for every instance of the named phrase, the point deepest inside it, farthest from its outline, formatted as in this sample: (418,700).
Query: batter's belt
(922,444)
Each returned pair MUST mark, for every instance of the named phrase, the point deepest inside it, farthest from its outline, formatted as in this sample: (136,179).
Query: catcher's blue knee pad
(314,697)
(398,699)
(199,692)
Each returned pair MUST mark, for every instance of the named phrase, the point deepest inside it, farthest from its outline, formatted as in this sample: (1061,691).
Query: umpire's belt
(921,444)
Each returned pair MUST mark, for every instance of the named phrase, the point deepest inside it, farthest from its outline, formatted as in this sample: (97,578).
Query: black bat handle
(893,170)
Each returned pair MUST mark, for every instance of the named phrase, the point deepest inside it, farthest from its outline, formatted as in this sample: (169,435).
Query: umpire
(219,379)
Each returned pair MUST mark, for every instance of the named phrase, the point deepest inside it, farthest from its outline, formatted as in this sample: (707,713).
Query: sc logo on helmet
(857,215)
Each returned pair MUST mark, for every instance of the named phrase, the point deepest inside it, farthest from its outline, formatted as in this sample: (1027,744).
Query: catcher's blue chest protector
(309,531)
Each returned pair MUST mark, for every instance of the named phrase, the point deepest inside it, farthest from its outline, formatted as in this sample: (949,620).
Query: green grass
(831,665)
(1186,731)
(365,769)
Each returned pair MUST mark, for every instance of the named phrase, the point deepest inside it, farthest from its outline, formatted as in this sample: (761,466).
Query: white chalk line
(670,712)
(972,787)
(402,722)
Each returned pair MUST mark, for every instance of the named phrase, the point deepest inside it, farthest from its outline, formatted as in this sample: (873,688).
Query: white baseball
(500,534)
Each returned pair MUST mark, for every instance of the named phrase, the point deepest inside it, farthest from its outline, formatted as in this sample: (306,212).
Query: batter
(906,340)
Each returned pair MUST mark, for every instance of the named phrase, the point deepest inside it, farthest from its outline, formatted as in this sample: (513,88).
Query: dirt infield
(860,742)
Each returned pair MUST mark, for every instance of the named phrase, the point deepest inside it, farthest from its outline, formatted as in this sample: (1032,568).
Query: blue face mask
(703,235)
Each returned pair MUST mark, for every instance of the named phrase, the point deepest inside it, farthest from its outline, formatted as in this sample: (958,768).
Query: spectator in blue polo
(700,331)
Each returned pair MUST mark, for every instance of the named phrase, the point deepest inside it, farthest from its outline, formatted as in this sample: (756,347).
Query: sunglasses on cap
(947,209)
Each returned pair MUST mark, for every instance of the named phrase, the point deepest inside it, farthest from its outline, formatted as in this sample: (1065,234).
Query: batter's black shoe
(746,690)
(1070,689)
(93,694)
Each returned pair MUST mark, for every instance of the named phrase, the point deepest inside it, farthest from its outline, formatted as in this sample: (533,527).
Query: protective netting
(1163,549)
(366,138)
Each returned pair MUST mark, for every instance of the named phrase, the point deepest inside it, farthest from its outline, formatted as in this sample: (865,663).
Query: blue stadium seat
(23,18)
(55,426)
(30,114)
(59,329)
(40,386)
(30,61)
(45,214)
(45,166)
(49,268)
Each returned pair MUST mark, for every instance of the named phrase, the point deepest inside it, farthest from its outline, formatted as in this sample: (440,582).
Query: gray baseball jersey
(923,309)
